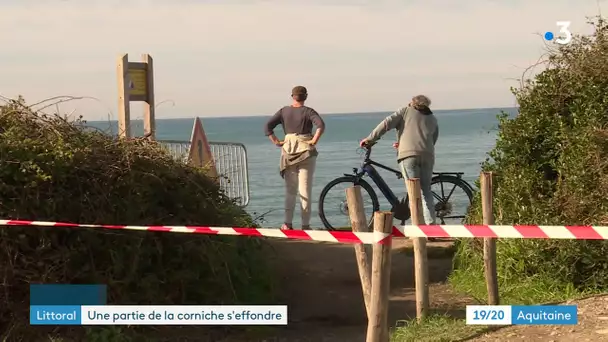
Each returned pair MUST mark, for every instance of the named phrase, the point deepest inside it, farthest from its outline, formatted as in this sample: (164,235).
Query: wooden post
(421,268)
(358,222)
(149,114)
(377,326)
(489,244)
(124,111)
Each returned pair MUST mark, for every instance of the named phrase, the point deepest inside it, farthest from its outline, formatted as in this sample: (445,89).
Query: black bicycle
(447,202)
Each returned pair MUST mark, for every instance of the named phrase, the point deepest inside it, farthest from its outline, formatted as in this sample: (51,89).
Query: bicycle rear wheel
(452,196)
(333,209)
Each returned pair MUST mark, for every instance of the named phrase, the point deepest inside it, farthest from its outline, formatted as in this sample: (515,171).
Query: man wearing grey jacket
(417,133)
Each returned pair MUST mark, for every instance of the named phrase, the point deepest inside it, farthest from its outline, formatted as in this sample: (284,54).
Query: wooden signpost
(135,83)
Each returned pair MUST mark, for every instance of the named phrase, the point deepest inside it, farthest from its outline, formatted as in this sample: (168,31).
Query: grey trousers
(421,167)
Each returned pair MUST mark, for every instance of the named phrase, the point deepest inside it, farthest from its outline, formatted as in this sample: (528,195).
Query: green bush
(55,170)
(550,163)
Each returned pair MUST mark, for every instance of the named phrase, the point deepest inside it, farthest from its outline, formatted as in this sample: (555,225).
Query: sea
(466,136)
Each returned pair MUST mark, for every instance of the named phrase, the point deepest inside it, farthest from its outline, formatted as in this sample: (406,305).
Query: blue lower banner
(68,294)
(522,314)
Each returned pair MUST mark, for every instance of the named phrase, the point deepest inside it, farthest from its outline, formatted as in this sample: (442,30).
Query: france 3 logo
(564,29)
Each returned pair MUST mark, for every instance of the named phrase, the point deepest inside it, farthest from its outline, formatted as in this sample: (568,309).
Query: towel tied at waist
(296,148)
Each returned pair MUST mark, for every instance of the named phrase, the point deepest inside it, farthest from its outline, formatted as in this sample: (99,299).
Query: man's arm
(317,120)
(273,122)
(390,122)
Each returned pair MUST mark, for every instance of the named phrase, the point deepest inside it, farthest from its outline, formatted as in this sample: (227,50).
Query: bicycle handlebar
(368,149)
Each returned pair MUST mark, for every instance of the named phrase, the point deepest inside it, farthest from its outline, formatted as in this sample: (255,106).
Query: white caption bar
(184,315)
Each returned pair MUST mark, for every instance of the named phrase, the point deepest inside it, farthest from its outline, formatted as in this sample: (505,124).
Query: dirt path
(320,284)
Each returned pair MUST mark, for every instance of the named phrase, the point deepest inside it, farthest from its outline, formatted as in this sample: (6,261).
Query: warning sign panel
(138,82)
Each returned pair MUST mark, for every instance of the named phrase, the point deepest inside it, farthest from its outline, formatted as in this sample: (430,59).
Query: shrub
(55,170)
(550,163)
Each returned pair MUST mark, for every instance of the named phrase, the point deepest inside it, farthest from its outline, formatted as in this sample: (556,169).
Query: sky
(236,58)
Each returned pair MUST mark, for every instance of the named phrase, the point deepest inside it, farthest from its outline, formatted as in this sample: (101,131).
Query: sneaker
(286,227)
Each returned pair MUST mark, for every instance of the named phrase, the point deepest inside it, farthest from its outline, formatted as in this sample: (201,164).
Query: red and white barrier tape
(433,231)
(310,235)
(517,232)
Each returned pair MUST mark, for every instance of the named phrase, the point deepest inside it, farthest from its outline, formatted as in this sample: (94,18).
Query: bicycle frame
(368,168)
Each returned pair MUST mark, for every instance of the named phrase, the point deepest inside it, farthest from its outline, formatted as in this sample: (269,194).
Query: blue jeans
(421,167)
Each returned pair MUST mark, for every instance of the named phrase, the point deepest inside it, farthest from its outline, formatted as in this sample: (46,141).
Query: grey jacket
(417,131)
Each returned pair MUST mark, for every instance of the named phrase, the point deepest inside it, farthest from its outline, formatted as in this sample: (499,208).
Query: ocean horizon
(136,116)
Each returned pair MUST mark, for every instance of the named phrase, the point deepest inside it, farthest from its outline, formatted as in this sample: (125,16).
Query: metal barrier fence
(230,163)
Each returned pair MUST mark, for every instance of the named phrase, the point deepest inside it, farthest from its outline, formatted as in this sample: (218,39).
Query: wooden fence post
(421,268)
(489,244)
(358,222)
(377,326)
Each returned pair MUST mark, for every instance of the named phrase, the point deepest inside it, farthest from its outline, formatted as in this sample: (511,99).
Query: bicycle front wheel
(333,209)
(452,197)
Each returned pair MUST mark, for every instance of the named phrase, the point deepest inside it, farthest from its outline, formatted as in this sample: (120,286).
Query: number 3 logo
(564,28)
